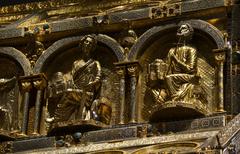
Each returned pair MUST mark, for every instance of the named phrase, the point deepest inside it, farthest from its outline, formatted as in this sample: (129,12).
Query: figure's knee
(168,79)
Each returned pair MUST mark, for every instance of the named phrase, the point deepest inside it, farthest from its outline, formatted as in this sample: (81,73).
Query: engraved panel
(129,15)
(113,134)
(10,33)
(70,24)
(191,125)
(201,4)
(131,143)
(229,131)
(31,144)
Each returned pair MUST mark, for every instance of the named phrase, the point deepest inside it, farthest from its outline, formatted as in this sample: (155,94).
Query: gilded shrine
(124,77)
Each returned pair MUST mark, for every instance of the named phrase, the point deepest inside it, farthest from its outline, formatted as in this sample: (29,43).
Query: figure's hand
(173,56)
(93,83)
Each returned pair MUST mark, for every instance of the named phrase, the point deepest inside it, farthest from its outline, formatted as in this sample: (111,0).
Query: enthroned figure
(179,74)
(76,92)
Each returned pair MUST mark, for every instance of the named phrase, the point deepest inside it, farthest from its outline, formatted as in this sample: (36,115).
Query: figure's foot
(160,99)
(94,116)
(50,119)
(163,94)
(159,95)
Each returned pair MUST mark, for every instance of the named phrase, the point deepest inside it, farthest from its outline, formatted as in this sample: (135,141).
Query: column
(220,58)
(121,73)
(39,85)
(26,87)
(133,72)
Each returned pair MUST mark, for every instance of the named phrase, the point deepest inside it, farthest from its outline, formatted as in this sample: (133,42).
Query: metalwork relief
(182,78)
(77,94)
(7,99)
(128,76)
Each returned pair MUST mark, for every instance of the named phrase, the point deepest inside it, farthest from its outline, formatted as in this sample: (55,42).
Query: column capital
(220,54)
(26,86)
(121,71)
(40,84)
(133,70)
(38,81)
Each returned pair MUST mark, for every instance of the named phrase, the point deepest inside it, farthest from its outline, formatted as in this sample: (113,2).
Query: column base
(35,134)
(121,123)
(22,135)
(133,121)
(220,111)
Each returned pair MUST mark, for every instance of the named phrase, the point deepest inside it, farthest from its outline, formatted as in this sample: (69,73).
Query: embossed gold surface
(128,76)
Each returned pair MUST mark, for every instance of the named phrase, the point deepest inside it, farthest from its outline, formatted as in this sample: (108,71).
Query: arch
(201,25)
(19,57)
(113,44)
(183,146)
(68,42)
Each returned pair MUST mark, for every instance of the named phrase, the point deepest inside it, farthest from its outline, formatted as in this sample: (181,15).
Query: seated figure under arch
(77,93)
(177,78)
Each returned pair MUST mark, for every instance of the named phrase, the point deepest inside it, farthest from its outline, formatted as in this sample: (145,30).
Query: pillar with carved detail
(133,73)
(25,88)
(121,72)
(40,85)
(220,56)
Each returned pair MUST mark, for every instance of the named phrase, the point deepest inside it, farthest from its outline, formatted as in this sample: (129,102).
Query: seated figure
(77,93)
(179,79)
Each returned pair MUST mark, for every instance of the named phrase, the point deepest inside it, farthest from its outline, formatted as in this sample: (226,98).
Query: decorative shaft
(132,71)
(25,112)
(133,102)
(220,56)
(221,88)
(122,99)
(37,112)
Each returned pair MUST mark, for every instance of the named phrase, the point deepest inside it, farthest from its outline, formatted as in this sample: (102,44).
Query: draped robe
(182,74)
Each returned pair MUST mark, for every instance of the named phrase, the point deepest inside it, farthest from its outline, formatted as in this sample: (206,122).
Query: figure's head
(185,31)
(88,43)
(58,76)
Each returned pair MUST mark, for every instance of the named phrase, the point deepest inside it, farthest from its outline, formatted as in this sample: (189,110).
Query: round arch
(65,43)
(19,57)
(200,25)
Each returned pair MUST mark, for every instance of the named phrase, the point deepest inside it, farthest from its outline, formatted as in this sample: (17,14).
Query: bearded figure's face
(88,45)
